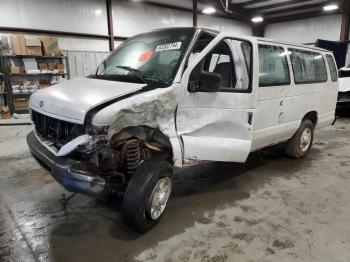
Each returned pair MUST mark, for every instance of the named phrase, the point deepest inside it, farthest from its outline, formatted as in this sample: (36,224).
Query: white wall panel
(83,44)
(306,30)
(130,18)
(75,43)
(224,25)
(83,16)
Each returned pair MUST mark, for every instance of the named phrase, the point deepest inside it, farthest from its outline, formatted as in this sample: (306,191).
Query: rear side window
(332,68)
(308,66)
(273,66)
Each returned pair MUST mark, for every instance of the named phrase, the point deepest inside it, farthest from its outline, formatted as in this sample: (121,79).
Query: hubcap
(159,198)
(305,139)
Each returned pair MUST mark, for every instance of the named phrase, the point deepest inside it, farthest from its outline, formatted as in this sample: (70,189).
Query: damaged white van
(176,97)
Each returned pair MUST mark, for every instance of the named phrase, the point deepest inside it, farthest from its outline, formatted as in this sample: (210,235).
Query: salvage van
(176,97)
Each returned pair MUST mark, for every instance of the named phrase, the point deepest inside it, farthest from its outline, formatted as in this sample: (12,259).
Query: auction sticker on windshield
(166,47)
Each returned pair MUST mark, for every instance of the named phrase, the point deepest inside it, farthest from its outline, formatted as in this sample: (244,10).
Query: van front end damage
(100,160)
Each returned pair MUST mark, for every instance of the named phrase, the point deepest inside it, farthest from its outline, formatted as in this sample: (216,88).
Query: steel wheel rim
(305,139)
(159,198)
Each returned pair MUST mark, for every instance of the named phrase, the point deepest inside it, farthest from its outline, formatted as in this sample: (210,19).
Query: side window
(273,66)
(226,64)
(308,66)
(219,61)
(332,68)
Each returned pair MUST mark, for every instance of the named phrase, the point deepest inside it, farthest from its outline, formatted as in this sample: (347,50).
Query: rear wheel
(299,145)
(147,195)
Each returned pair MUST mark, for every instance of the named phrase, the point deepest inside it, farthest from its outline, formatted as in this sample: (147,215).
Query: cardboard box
(21,103)
(18,45)
(43,66)
(52,66)
(5,112)
(33,46)
(50,46)
(16,70)
(60,68)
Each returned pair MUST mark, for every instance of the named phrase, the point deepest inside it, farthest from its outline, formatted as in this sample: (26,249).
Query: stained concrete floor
(271,209)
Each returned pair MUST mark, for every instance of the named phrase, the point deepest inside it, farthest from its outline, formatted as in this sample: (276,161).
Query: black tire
(294,145)
(136,202)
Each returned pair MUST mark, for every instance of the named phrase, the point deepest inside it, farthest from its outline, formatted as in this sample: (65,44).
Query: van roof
(268,40)
(292,44)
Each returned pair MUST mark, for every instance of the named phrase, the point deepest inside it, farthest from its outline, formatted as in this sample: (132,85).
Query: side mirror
(207,82)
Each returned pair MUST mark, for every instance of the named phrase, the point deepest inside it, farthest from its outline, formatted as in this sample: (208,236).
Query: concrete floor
(271,209)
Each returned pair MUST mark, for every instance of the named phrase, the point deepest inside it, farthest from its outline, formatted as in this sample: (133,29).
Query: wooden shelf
(22,95)
(41,74)
(22,110)
(34,56)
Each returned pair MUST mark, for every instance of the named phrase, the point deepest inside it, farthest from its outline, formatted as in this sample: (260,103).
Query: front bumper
(71,174)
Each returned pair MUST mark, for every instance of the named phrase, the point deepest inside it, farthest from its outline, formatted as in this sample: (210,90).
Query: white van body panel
(281,108)
(214,126)
(344,84)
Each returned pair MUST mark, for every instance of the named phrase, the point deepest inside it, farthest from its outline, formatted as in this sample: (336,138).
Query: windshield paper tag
(166,47)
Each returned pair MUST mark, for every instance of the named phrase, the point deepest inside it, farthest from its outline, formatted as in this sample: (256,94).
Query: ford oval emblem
(41,104)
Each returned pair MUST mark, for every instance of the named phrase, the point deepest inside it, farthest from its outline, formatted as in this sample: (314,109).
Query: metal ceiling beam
(282,12)
(235,12)
(252,2)
(216,4)
(283,4)
(286,18)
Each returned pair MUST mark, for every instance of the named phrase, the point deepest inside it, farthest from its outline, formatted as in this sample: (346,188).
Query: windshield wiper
(136,73)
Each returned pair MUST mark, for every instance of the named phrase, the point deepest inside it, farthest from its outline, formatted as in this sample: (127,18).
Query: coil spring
(133,157)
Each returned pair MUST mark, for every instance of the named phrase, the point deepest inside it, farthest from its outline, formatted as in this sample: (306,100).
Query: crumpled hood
(344,84)
(71,100)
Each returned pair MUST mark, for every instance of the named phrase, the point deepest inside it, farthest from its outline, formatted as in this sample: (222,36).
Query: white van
(344,90)
(175,97)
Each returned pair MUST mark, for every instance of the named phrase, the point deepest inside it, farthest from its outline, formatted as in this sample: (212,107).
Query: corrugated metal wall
(306,30)
(83,63)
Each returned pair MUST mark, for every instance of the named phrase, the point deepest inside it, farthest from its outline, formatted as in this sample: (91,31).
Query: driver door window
(229,66)
(220,62)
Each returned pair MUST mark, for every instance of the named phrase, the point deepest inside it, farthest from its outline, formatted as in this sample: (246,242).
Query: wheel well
(312,116)
(153,137)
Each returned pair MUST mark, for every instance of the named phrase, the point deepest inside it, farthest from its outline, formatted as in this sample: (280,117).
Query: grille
(54,129)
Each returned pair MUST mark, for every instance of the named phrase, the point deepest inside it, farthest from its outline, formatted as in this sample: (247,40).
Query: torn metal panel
(72,145)
(155,108)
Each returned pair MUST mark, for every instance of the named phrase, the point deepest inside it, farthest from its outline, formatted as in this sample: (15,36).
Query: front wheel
(299,145)
(147,195)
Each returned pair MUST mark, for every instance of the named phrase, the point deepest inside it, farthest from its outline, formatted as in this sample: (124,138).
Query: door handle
(250,118)
(281,103)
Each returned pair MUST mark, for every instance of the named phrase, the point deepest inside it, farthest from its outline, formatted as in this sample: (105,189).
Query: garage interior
(271,208)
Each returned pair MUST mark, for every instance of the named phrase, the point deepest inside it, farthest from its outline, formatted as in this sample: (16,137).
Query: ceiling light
(330,7)
(98,11)
(209,10)
(257,19)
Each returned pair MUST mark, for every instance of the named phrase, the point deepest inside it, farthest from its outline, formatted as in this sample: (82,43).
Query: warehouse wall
(84,16)
(89,16)
(224,25)
(306,30)
(130,18)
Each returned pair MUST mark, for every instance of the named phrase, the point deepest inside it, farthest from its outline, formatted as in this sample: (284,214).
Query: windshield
(148,58)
